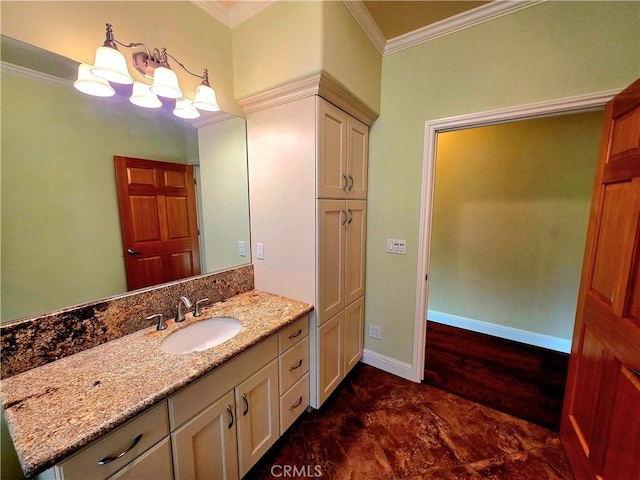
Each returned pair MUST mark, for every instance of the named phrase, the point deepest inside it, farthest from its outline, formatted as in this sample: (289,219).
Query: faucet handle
(198,311)
(161,323)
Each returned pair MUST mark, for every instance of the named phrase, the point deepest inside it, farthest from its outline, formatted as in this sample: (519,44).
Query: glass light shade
(144,97)
(185,109)
(111,65)
(90,84)
(206,99)
(165,83)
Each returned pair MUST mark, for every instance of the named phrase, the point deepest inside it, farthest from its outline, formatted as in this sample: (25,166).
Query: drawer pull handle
(297,334)
(350,187)
(291,369)
(346,183)
(246,405)
(106,460)
(293,407)
(230,416)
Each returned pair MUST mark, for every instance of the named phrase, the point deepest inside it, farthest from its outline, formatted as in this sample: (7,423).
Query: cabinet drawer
(293,364)
(151,465)
(294,402)
(152,425)
(293,333)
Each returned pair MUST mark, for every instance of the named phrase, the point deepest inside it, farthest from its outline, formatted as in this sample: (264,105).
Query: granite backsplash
(32,342)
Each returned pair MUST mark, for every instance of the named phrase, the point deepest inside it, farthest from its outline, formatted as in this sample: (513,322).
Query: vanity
(127,409)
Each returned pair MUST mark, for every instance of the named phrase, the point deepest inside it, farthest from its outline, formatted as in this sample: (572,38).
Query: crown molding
(235,14)
(45,78)
(215,9)
(211,118)
(463,20)
(321,84)
(367,23)
(240,12)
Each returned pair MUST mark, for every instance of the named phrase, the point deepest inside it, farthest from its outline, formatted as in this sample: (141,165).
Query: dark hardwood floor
(519,379)
(379,426)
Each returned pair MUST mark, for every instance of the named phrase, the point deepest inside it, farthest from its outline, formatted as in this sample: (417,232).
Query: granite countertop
(54,410)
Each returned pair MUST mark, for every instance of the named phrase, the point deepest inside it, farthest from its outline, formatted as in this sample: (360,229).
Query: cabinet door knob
(345,217)
(350,217)
(351,183)
(346,182)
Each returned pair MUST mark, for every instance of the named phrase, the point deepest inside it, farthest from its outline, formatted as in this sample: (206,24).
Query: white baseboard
(388,364)
(516,334)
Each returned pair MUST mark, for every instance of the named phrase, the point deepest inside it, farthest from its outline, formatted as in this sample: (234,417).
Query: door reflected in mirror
(61,237)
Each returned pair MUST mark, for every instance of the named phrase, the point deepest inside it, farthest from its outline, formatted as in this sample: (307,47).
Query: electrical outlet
(375,332)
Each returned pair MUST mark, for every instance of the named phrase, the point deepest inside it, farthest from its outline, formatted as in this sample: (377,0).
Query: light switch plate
(396,246)
(260,251)
(242,249)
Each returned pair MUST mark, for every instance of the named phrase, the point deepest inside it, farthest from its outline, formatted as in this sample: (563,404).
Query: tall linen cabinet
(308,190)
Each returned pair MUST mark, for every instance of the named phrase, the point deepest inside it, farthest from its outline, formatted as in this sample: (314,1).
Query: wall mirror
(61,243)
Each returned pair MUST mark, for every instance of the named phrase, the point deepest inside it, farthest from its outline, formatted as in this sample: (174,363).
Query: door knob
(132,252)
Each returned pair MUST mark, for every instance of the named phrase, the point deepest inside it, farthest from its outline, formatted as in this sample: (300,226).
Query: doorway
(432,129)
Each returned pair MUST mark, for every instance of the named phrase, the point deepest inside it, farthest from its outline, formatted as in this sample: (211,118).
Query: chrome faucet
(187,304)
(198,310)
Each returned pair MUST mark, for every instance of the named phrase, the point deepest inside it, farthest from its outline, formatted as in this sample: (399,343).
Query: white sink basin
(201,335)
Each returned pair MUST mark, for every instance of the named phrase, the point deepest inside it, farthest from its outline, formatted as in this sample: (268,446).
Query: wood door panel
(590,376)
(180,265)
(632,309)
(148,270)
(622,456)
(178,225)
(331,150)
(175,179)
(358,145)
(145,218)
(142,177)
(625,141)
(614,242)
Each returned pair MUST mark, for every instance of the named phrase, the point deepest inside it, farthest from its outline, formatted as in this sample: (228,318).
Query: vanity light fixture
(110,66)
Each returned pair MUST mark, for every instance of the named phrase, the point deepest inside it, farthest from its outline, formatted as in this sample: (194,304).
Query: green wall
(290,41)
(510,217)
(548,51)
(61,241)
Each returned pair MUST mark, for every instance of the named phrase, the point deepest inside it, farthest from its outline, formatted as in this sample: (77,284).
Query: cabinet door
(258,411)
(330,356)
(151,465)
(353,334)
(332,218)
(355,246)
(357,152)
(331,151)
(205,447)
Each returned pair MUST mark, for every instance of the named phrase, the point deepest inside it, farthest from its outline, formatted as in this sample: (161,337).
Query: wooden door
(258,412)
(355,249)
(158,221)
(357,153)
(332,218)
(331,151)
(600,427)
(205,447)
